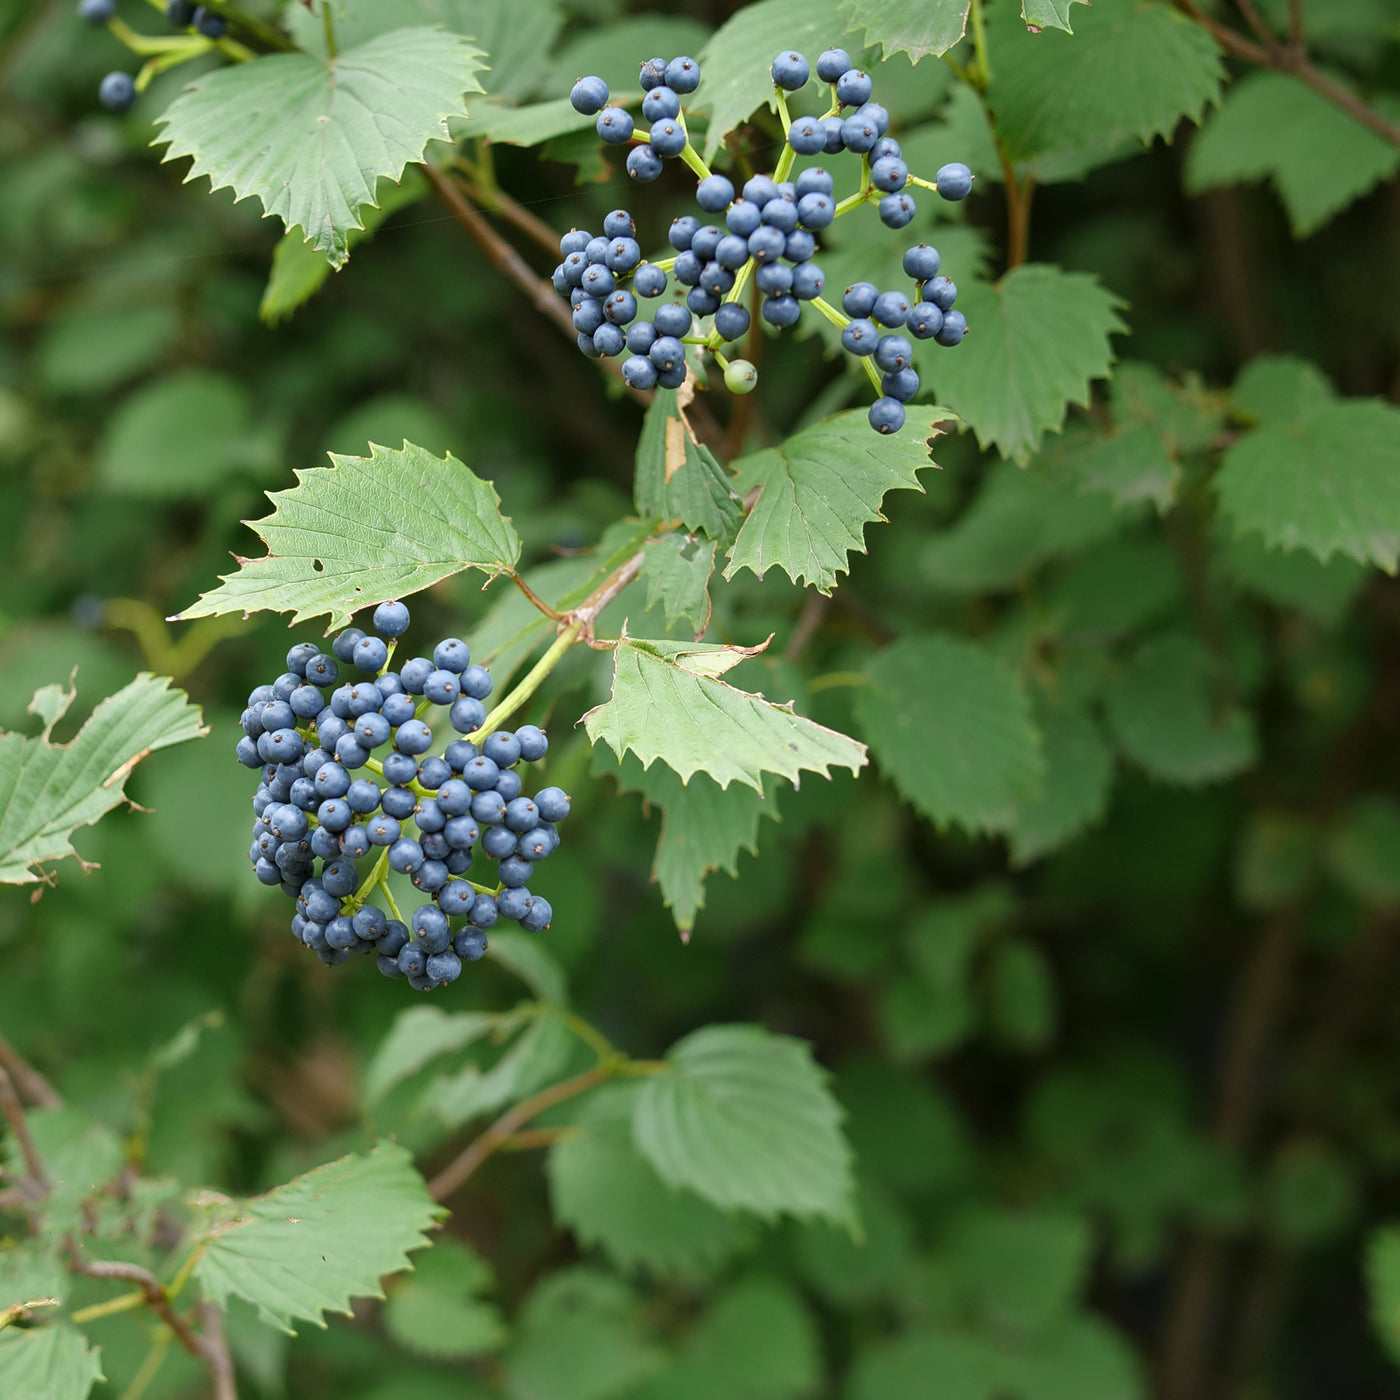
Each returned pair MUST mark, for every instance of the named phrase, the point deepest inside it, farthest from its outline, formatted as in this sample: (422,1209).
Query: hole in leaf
(319,567)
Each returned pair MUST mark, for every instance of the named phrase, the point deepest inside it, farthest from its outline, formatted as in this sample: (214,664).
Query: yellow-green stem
(979,47)
(529,685)
(123,1302)
(694,160)
(836,318)
(328,25)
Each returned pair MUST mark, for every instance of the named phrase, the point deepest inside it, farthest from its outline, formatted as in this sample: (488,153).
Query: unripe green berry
(740,377)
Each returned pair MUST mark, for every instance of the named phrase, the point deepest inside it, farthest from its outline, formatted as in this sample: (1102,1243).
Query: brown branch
(152,1290)
(31,1084)
(1296,36)
(1292,58)
(507,261)
(536,599)
(216,1353)
(607,591)
(508,1124)
(13,1110)
(1255,21)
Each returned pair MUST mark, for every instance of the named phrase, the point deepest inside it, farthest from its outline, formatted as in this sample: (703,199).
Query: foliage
(1020,784)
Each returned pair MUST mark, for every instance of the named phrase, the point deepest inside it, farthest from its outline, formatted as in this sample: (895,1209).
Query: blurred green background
(1143,1090)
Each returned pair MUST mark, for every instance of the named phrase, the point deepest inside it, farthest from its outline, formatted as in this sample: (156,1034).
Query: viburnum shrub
(1042,1044)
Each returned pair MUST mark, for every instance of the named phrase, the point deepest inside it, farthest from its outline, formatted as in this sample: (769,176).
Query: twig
(152,1290)
(536,599)
(611,587)
(30,1083)
(1296,36)
(508,1125)
(216,1353)
(507,261)
(13,1110)
(1255,21)
(1293,59)
(811,617)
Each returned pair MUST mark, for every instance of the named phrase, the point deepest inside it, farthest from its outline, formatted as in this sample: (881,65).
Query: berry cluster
(118,89)
(769,235)
(419,815)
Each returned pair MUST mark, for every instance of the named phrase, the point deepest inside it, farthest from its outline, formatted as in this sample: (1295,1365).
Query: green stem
(377,877)
(923,184)
(530,684)
(665,264)
(832,679)
(328,25)
(694,160)
(979,47)
(785,161)
(831,313)
(146,44)
(784,116)
(392,902)
(853,201)
(123,1302)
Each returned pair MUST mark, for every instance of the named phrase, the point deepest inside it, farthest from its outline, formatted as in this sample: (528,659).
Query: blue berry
(394,936)
(623,254)
(537,844)
(306,702)
(354,842)
(614,125)
(807,136)
(340,933)
(413,961)
(476,682)
(891,309)
(619,223)
(835,130)
(117,92)
(489,808)
(766,244)
(925,321)
(534,743)
(575,265)
(430,877)
(384,830)
(96,11)
(444,967)
(942,292)
(800,246)
(644,165)
(705,241)
(790,71)
(667,352)
(597,250)
(889,173)
(514,903)
(953,329)
(661,102)
(553,804)
(470,945)
(896,210)
(781,310)
(743,217)
(575,241)
(954,180)
(815,211)
(853,88)
(430,816)
(371,654)
(903,384)
(467,714)
(671,378)
(351,752)
(598,280)
(921,262)
(480,774)
(462,832)
(886,146)
(649,280)
(363,796)
(638,372)
(893,352)
(732,252)
(731,321)
(508,784)
(391,619)
(340,878)
(860,337)
(431,928)
(859,133)
(450,654)
(887,415)
(454,797)
(589,95)
(372,730)
(413,738)
(652,73)
(714,193)
(538,916)
(483,911)
(247,754)
(405,855)
(815,180)
(683,75)
(781,214)
(687,268)
(832,64)
(701,302)
(682,231)
(772,278)
(398,709)
(498,842)
(876,115)
(667,137)
(807,281)
(514,871)
(669,320)
(398,802)
(212,26)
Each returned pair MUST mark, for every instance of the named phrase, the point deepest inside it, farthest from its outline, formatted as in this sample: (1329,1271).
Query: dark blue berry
(652,74)
(807,281)
(391,619)
(832,64)
(701,302)
(553,804)
(731,321)
(807,136)
(772,278)
(925,321)
(896,210)
(790,71)
(405,855)
(96,11)
(212,26)
(781,310)
(661,102)
(953,329)
(815,211)
(942,292)
(589,95)
(889,173)
(683,75)
(887,415)
(714,193)
(921,262)
(644,165)
(638,372)
(614,125)
(891,309)
(537,917)
(954,180)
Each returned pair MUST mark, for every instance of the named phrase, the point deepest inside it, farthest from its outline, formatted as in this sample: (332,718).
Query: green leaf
(919,1364)
(310,137)
(616,49)
(745,1119)
(579,1337)
(678,478)
(177,436)
(1131,466)
(364,530)
(737,60)
(1163,716)
(48,790)
(756,1341)
(1019,520)
(536,1058)
(610,1196)
(47,1363)
(1383,1281)
(1036,340)
(299,269)
(31,1272)
(677,571)
(1294,578)
(312,1245)
(419,1035)
(668,703)
(1024,1268)
(818,491)
(1049,14)
(1021,1003)
(1074,795)
(435,1310)
(1274,388)
(1363,854)
(81,1156)
(919,28)
(1273,127)
(1276,860)
(1081,1358)
(528,959)
(1325,482)
(703,828)
(1133,68)
(952,730)
(528,126)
